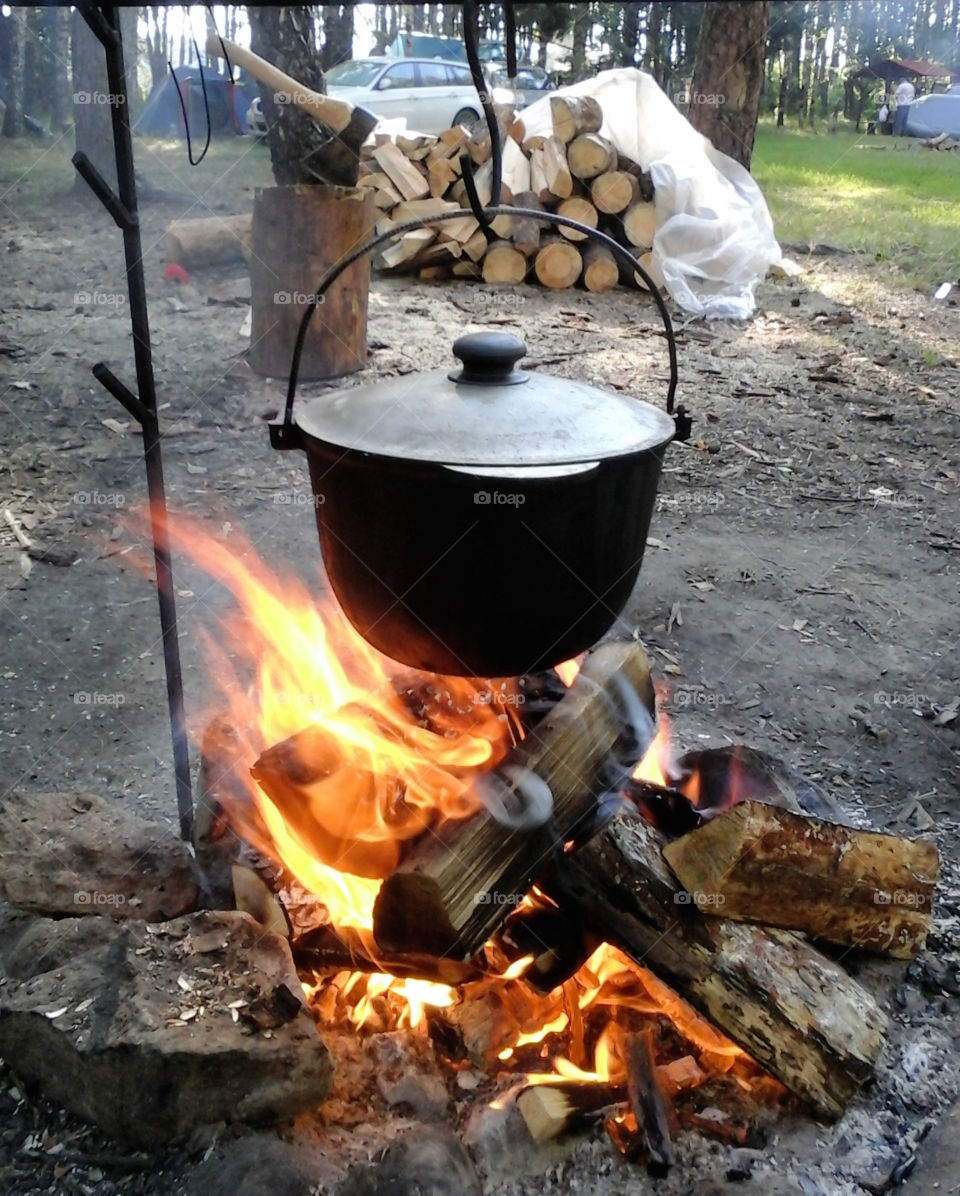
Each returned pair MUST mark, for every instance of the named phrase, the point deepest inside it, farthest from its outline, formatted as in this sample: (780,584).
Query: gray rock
(152,1031)
(255,1164)
(63,854)
(425,1161)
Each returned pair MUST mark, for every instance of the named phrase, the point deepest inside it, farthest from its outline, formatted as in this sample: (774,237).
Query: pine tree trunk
(61,112)
(631,34)
(652,53)
(285,38)
(337,34)
(13,117)
(578,58)
(92,103)
(729,64)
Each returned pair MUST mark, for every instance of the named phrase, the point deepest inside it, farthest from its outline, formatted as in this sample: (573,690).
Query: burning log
(851,887)
(649,1102)
(797,1013)
(549,1110)
(458,885)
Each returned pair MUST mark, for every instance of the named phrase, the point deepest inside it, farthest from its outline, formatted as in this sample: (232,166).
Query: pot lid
(489,413)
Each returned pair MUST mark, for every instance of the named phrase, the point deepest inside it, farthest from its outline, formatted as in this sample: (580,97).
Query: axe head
(337,159)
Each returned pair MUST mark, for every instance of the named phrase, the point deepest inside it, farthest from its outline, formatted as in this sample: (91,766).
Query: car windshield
(354,74)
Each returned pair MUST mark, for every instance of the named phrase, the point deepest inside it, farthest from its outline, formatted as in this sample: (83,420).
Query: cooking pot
(485,521)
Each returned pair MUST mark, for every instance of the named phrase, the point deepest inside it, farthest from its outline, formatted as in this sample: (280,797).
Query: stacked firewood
(574,172)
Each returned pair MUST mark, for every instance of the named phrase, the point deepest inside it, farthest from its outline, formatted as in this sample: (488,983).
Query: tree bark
(61,110)
(337,34)
(13,116)
(728,75)
(285,38)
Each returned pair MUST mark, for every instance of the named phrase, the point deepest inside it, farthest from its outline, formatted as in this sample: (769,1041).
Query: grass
(892,200)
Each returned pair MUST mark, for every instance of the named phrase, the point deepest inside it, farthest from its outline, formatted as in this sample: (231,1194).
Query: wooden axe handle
(332,114)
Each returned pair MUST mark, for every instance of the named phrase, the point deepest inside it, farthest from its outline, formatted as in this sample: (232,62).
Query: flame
(567,670)
(353,756)
(362,754)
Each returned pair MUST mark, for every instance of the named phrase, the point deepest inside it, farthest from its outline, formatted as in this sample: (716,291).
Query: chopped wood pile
(574,172)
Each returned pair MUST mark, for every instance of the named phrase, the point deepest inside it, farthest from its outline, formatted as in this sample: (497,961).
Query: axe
(348,125)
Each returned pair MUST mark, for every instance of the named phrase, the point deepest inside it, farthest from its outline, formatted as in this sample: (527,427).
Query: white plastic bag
(714,239)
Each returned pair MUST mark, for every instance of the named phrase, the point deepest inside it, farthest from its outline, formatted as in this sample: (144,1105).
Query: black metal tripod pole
(105,24)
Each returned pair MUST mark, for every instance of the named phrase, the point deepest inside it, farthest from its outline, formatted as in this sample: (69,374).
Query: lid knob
(489,357)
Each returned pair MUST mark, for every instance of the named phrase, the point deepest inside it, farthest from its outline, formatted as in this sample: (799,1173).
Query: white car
(431,94)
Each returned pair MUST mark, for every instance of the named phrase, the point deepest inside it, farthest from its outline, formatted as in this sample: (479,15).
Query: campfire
(482,862)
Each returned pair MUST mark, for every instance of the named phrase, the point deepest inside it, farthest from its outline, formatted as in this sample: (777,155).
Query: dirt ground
(800,588)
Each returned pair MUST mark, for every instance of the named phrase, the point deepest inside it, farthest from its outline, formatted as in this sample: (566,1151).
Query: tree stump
(298,233)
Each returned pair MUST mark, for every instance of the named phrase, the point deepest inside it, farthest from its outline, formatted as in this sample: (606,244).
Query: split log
(208,241)
(406,248)
(580,209)
(449,144)
(385,195)
(475,246)
(573,115)
(420,209)
(441,173)
(558,263)
(797,1013)
(552,1109)
(525,230)
(614,191)
(851,887)
(600,270)
(466,268)
(416,147)
(556,170)
(538,178)
(589,155)
(515,168)
(503,263)
(457,885)
(640,223)
(408,180)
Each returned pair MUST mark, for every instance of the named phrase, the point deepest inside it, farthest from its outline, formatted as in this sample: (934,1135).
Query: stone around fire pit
(152,1031)
(82,854)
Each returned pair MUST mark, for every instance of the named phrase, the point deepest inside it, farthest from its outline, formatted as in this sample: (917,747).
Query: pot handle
(285,434)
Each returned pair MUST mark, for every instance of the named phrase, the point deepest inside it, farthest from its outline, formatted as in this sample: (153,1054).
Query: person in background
(904,97)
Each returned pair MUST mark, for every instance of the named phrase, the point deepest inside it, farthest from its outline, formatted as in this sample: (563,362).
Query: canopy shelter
(892,70)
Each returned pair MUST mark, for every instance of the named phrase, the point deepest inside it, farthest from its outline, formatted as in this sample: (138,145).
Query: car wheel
(466,117)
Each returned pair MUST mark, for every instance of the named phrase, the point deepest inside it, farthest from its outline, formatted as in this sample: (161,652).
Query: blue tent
(228,103)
